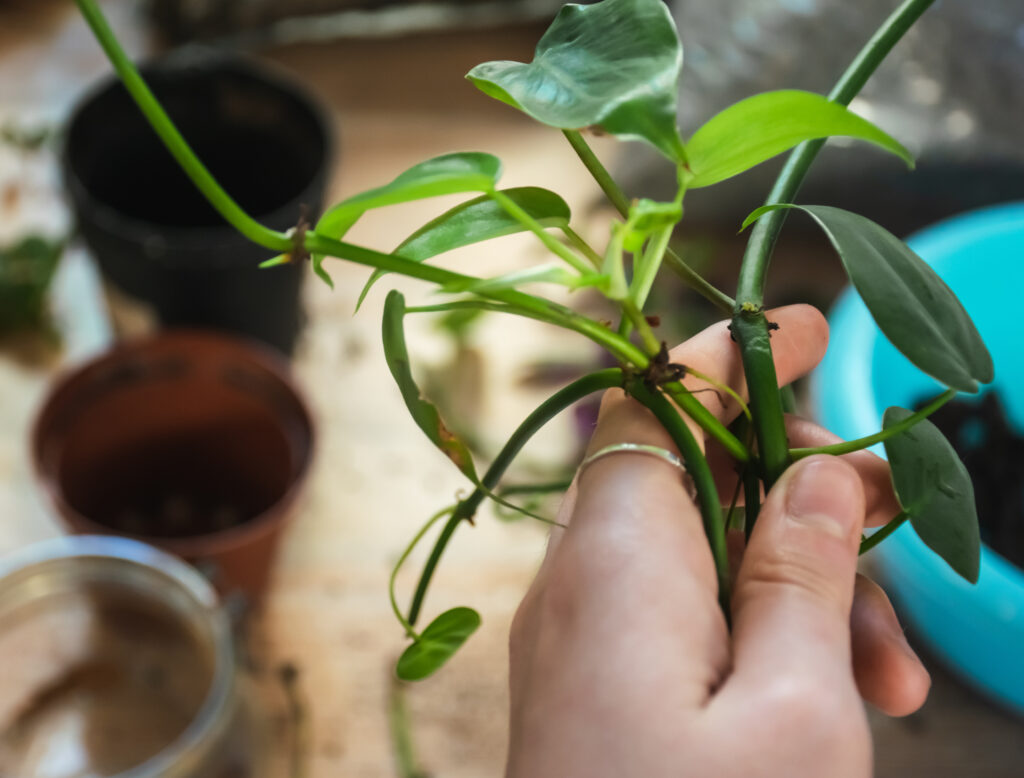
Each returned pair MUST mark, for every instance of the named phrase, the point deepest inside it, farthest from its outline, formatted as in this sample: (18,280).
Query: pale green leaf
(756,129)
(424,413)
(448,174)
(477,220)
(437,643)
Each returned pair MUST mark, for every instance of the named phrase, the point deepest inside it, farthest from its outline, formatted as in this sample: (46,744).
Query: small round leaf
(437,643)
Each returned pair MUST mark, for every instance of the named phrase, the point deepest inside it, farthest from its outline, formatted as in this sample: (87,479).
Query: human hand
(621,661)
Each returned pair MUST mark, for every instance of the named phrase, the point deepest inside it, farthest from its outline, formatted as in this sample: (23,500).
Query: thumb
(794,591)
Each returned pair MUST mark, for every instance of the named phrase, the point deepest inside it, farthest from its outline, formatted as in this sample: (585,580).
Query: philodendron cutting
(614,66)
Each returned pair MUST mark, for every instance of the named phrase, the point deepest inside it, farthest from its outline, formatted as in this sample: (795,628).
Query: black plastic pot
(153,234)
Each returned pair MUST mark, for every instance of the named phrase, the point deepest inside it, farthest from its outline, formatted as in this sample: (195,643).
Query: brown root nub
(298,236)
(661,371)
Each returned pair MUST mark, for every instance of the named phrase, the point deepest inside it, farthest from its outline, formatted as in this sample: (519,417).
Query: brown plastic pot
(197,443)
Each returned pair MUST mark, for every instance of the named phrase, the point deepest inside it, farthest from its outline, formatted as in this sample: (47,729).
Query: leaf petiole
(618,199)
(406,625)
(550,242)
(872,540)
(849,446)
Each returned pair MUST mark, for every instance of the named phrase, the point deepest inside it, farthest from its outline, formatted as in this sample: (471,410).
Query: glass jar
(117,661)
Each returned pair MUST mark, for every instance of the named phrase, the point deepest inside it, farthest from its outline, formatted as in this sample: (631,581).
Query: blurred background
(101,243)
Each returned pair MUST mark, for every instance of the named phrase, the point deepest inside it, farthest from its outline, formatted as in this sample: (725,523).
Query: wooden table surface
(375,480)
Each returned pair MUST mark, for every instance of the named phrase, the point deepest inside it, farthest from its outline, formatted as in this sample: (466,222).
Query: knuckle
(791,572)
(821,715)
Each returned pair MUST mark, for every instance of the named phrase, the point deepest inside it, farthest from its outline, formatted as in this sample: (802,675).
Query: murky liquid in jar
(95,682)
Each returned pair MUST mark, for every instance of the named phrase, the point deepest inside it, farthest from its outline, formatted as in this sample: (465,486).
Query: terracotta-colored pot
(195,442)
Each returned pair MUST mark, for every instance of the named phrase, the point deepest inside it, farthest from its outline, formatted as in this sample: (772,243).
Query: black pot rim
(188,58)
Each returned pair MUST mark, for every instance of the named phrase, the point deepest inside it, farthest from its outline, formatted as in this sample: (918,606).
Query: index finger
(798,345)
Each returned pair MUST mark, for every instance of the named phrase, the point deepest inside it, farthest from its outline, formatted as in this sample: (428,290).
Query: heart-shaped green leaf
(913,307)
(469,171)
(933,487)
(424,413)
(613,64)
(437,643)
(756,129)
(475,221)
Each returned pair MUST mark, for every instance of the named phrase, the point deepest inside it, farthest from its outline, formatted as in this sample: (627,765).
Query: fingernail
(824,493)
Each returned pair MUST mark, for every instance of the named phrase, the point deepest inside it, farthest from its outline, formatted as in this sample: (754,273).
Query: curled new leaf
(646,217)
(613,64)
(935,490)
(912,306)
(756,129)
(437,643)
(475,221)
(424,413)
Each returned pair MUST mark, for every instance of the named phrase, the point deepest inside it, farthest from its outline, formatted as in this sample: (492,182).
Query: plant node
(297,235)
(661,370)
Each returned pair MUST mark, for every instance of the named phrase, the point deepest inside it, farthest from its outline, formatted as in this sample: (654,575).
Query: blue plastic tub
(979,629)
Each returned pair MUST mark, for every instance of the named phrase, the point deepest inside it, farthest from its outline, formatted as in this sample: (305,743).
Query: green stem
(699,470)
(550,242)
(751,497)
(636,318)
(315,243)
(465,510)
(706,420)
(719,386)
(618,199)
(600,173)
(406,625)
(849,446)
(730,523)
(877,537)
(750,327)
(576,240)
(650,264)
(547,488)
(788,398)
(538,307)
(401,734)
(173,140)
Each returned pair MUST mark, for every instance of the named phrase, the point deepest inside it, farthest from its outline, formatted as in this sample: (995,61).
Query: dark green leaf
(613,64)
(756,129)
(913,307)
(437,643)
(448,174)
(933,487)
(424,413)
(475,221)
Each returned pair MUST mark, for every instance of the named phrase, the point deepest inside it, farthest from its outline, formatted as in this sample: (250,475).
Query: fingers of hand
(793,595)
(797,346)
(630,500)
(873,470)
(889,674)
